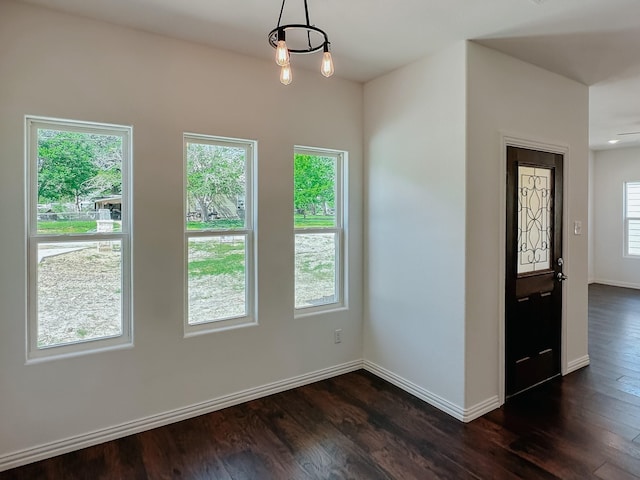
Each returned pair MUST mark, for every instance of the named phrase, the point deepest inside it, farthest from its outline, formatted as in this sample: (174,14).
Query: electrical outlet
(577,227)
(337,335)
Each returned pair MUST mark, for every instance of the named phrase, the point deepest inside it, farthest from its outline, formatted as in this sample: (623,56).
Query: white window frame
(250,317)
(341,195)
(627,217)
(34,239)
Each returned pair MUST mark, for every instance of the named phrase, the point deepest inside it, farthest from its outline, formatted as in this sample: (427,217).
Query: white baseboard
(456,411)
(577,364)
(96,437)
(52,449)
(481,408)
(615,283)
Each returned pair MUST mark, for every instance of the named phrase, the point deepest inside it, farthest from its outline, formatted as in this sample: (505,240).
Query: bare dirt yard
(80,291)
(79,295)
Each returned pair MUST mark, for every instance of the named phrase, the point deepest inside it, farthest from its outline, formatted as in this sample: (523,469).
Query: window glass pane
(634,237)
(79,291)
(314,195)
(216,280)
(535,226)
(216,187)
(315,277)
(633,199)
(79,182)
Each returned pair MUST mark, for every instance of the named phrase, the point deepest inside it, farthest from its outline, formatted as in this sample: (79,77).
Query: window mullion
(90,237)
(216,233)
(317,230)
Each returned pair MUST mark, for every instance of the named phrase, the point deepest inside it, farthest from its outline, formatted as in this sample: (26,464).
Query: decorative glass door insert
(535,219)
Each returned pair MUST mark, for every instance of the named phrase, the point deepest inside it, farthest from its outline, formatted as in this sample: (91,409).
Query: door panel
(533,323)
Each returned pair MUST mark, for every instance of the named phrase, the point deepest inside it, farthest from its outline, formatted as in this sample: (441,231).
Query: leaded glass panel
(535,225)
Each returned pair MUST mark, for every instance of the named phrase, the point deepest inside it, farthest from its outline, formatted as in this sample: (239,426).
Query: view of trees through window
(318,228)
(78,174)
(314,190)
(218,230)
(216,186)
(76,234)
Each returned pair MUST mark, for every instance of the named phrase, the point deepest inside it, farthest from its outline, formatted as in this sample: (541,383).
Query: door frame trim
(510,139)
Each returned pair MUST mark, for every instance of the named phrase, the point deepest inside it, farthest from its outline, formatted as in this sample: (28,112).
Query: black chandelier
(314,39)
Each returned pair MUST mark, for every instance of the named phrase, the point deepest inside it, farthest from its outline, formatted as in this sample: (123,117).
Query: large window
(218,233)
(78,235)
(632,218)
(318,229)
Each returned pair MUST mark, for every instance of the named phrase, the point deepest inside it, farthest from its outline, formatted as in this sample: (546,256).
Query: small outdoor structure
(113,204)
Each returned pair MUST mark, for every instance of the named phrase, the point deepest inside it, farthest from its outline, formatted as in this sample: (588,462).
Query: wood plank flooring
(585,425)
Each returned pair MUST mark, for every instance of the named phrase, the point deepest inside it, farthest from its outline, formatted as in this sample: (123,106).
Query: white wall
(57,65)
(508,95)
(435,217)
(415,227)
(612,168)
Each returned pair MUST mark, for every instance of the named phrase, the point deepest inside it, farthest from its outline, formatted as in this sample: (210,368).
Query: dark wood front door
(533,324)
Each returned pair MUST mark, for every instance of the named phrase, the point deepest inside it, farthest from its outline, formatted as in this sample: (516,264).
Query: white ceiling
(596,42)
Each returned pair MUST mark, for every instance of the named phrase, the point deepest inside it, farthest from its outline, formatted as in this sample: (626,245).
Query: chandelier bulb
(285,75)
(282,52)
(327,62)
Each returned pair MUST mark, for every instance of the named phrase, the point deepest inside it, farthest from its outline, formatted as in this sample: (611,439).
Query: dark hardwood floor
(585,425)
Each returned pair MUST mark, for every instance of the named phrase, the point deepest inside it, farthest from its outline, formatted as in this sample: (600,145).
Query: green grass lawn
(313,221)
(221,224)
(54,227)
(215,258)
(75,226)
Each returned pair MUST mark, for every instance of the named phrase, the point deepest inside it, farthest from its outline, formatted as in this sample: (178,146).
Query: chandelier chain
(282,10)
(306,12)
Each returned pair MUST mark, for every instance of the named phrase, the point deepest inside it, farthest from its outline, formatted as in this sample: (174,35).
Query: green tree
(108,159)
(65,166)
(214,175)
(106,182)
(314,183)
